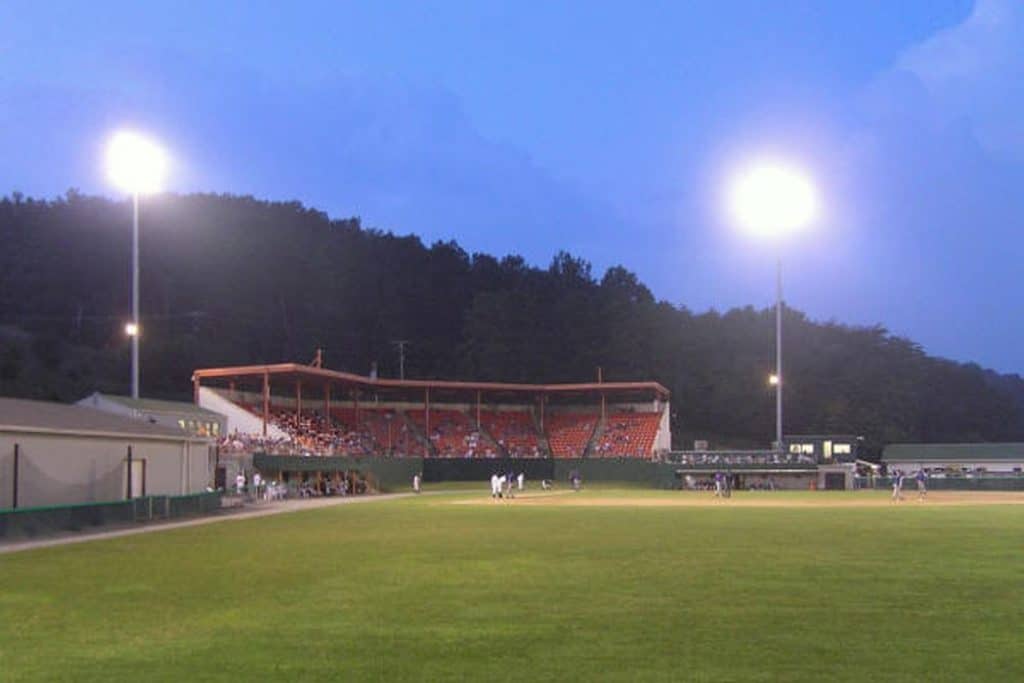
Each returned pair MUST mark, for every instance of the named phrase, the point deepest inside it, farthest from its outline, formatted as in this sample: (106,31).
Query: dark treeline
(231,280)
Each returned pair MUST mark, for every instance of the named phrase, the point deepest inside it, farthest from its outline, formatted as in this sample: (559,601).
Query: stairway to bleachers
(452,433)
(390,432)
(513,431)
(627,435)
(569,433)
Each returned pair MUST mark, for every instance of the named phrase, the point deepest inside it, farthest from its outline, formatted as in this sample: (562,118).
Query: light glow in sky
(772,199)
(135,163)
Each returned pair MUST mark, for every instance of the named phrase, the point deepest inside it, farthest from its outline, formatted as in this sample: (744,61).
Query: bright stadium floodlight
(137,165)
(771,200)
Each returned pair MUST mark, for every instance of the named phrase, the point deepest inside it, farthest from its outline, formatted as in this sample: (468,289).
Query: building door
(138,477)
(220,478)
(835,481)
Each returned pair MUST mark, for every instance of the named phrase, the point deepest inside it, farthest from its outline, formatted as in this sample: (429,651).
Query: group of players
(898,478)
(504,485)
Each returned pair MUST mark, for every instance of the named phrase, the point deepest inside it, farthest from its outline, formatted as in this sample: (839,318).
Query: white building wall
(57,469)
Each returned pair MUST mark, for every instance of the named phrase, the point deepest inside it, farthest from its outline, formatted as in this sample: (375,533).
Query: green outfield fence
(42,521)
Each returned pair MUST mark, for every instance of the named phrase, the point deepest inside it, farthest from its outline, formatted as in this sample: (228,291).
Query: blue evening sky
(605,129)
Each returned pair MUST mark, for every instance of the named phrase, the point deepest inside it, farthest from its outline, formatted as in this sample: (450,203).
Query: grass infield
(439,588)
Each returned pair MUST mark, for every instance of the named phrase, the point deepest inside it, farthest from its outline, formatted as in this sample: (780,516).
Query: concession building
(56,454)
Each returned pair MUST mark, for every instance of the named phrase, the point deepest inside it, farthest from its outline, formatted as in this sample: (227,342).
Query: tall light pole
(401,344)
(772,200)
(135,165)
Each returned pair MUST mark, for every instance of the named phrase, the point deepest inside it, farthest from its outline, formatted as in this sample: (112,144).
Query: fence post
(129,473)
(14,494)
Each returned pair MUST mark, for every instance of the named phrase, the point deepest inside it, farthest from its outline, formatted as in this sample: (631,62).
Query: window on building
(802,448)
(841,449)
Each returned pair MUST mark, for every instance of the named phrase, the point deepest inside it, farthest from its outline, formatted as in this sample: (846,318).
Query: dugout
(794,478)
(56,454)
(386,474)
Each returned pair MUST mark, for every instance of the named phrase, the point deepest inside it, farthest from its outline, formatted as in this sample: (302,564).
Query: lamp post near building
(772,200)
(135,165)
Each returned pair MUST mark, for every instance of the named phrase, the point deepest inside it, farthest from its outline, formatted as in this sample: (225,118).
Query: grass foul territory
(603,585)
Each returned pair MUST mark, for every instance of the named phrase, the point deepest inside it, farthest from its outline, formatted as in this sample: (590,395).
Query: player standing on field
(922,484)
(897,486)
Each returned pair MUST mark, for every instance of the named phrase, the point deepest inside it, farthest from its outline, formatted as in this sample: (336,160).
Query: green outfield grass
(423,589)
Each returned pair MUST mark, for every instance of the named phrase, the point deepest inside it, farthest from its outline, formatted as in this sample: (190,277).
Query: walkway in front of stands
(248,512)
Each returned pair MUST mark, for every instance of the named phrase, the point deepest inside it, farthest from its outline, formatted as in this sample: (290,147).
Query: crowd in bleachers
(348,431)
(452,434)
(316,434)
(629,435)
(238,443)
(513,431)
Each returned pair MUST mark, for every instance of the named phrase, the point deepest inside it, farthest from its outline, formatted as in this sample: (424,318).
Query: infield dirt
(808,499)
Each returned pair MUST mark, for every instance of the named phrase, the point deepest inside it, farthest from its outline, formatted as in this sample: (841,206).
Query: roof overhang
(322,375)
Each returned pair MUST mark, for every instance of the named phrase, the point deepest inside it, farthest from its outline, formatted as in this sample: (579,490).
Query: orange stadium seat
(451,432)
(513,430)
(568,433)
(628,435)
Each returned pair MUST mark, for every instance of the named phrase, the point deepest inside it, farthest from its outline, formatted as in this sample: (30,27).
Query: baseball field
(609,584)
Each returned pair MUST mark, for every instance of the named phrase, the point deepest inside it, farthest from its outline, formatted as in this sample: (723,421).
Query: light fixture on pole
(771,200)
(136,165)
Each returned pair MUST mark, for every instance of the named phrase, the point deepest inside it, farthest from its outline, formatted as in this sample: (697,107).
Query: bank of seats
(568,433)
(451,432)
(628,435)
(513,431)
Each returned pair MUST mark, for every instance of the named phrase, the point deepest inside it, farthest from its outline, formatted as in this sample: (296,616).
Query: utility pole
(401,344)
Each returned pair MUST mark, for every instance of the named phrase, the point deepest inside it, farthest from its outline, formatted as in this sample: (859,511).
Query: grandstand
(309,410)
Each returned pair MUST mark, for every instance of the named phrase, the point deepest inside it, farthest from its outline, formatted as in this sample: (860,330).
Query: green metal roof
(953,452)
(17,415)
(153,405)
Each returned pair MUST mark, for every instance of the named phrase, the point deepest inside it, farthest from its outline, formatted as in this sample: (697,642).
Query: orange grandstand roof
(298,371)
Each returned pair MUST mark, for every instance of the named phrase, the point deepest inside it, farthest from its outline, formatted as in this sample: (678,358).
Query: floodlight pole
(135,294)
(778,354)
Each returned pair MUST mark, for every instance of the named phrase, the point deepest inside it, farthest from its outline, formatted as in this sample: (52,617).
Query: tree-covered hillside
(230,280)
